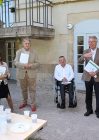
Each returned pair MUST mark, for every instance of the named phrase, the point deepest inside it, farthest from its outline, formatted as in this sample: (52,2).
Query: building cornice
(58,2)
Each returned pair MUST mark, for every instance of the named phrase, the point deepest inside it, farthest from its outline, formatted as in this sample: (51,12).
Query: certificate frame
(2,70)
(91,67)
(24,57)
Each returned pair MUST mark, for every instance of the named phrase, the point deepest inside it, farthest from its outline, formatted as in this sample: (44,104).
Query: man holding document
(26,62)
(91,74)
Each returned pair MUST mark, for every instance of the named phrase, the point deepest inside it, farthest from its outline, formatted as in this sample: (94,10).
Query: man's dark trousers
(89,91)
(71,93)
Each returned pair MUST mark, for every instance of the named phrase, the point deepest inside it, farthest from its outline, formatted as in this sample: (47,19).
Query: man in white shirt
(64,74)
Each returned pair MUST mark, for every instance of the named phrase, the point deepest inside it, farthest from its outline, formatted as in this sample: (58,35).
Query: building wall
(64,12)
(62,44)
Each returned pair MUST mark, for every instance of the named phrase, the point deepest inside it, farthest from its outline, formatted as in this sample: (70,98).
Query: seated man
(64,74)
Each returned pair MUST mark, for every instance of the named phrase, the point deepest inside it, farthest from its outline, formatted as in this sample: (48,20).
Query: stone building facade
(73,21)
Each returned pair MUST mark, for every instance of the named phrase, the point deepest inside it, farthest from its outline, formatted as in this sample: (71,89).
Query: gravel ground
(66,124)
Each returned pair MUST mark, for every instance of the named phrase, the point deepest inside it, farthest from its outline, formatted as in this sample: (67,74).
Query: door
(10,55)
(78,68)
(82,31)
(82,44)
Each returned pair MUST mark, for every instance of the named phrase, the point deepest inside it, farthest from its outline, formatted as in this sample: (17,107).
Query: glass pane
(80,40)
(80,49)
(9,58)
(10,64)
(9,45)
(80,68)
(9,51)
(79,56)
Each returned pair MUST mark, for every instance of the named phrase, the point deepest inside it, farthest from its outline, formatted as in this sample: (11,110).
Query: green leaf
(1,1)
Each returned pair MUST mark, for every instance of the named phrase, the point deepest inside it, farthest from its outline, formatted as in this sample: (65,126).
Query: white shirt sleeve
(7,69)
(57,73)
(69,73)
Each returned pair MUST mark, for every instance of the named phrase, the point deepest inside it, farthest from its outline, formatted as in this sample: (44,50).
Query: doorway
(10,55)
(82,31)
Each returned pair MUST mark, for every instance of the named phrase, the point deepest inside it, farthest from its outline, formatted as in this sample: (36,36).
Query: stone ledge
(58,2)
(30,31)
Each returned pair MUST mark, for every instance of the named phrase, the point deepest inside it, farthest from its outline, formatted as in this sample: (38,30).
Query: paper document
(66,83)
(24,58)
(2,70)
(91,67)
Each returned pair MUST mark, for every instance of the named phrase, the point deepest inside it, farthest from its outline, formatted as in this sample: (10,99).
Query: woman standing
(4,89)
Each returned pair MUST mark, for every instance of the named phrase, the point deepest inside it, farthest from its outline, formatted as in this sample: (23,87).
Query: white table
(9,135)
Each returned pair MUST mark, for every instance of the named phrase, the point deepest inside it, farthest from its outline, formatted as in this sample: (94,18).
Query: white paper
(2,70)
(91,67)
(66,83)
(24,58)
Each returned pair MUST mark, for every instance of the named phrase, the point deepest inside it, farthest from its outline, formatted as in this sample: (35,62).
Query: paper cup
(27,113)
(34,118)
(8,115)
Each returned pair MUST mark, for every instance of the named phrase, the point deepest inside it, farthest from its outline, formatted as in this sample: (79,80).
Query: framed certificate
(24,57)
(91,67)
(2,70)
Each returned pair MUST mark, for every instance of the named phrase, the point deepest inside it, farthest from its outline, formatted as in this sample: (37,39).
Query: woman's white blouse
(7,72)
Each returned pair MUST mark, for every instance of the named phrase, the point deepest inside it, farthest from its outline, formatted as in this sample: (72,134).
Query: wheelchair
(57,98)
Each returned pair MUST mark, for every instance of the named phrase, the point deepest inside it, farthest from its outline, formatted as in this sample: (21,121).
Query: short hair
(26,38)
(93,37)
(61,56)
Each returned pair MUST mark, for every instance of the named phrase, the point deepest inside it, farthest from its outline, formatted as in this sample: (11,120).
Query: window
(80,49)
